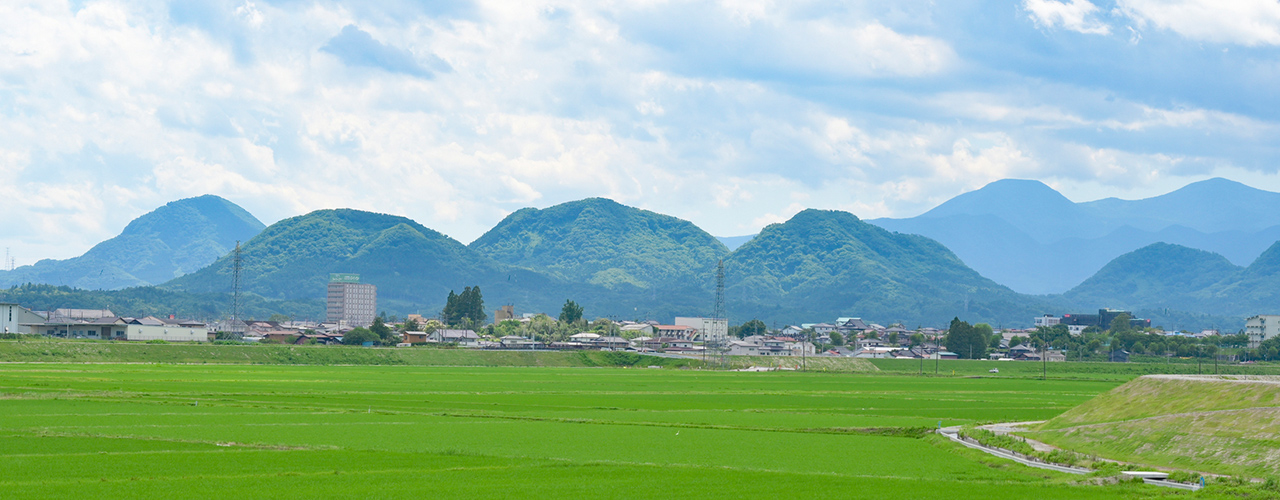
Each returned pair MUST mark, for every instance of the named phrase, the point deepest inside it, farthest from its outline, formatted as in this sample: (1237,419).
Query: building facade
(349,302)
(1261,327)
(708,329)
(16,319)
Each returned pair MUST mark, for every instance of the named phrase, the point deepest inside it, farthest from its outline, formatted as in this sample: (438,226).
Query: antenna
(718,315)
(235,290)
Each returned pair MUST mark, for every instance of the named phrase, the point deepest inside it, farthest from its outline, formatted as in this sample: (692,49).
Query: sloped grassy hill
(176,239)
(824,263)
(602,242)
(1228,424)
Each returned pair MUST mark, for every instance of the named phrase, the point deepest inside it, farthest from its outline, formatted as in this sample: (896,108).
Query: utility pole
(1044,358)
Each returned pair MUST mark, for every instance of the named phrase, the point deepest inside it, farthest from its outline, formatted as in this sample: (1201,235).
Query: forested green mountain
(823,264)
(602,242)
(293,259)
(413,267)
(1155,276)
(1253,290)
(1179,287)
(178,238)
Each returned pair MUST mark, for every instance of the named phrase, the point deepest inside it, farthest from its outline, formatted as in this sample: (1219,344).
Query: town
(351,320)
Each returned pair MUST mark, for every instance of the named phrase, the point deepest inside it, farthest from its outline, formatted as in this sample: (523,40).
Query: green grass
(1070,369)
(1207,426)
(262,431)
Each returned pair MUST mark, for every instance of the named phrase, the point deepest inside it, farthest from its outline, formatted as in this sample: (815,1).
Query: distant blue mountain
(179,238)
(733,242)
(1027,236)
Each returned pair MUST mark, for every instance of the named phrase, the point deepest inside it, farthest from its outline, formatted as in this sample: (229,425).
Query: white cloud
(1242,22)
(1077,15)
(742,114)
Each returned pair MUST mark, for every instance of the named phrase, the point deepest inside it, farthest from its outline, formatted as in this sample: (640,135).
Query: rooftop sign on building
(344,278)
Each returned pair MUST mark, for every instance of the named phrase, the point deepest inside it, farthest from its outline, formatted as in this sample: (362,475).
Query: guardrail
(1041,464)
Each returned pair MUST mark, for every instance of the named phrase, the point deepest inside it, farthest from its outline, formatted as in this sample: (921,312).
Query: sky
(731,114)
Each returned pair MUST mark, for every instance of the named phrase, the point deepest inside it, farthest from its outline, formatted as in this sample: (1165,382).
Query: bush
(157,341)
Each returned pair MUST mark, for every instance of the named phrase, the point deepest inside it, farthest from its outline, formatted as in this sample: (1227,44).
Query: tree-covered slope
(824,264)
(602,242)
(414,267)
(1154,276)
(178,238)
(1254,290)
(293,258)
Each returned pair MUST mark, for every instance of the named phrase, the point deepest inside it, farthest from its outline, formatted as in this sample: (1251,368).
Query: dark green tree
(359,336)
(837,338)
(571,312)
(467,307)
(967,341)
(383,331)
(1121,324)
(753,327)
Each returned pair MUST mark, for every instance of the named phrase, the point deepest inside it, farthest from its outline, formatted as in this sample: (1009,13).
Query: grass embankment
(129,352)
(1224,425)
(44,351)
(1068,369)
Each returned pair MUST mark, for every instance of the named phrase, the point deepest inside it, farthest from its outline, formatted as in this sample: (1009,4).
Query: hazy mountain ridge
(1025,235)
(180,237)
(630,263)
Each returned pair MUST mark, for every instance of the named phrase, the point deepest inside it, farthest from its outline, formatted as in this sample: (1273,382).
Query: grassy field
(263,431)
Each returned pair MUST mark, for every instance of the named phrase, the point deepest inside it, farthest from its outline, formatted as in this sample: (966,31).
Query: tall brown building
(350,302)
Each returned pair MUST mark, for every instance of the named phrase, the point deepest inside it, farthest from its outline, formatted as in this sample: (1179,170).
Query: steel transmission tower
(235,291)
(719,316)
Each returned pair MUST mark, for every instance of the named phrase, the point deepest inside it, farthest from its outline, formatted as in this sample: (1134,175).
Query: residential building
(452,336)
(350,302)
(707,329)
(680,331)
(1261,327)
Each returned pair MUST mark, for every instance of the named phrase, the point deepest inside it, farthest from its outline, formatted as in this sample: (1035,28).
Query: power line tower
(235,291)
(719,317)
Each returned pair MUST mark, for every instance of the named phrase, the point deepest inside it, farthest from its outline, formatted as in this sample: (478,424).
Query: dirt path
(1002,429)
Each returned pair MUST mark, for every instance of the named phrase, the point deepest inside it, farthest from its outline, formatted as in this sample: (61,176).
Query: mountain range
(625,262)
(1166,276)
(178,238)
(1033,239)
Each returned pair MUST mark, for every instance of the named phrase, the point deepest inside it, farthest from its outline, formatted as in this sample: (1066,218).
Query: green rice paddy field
(278,431)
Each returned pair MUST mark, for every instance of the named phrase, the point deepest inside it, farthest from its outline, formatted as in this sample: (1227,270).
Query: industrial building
(350,302)
(1103,319)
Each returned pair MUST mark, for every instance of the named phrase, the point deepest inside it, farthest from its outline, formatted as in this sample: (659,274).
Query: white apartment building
(1261,327)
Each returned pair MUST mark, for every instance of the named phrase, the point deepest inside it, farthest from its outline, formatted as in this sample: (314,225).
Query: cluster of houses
(689,336)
